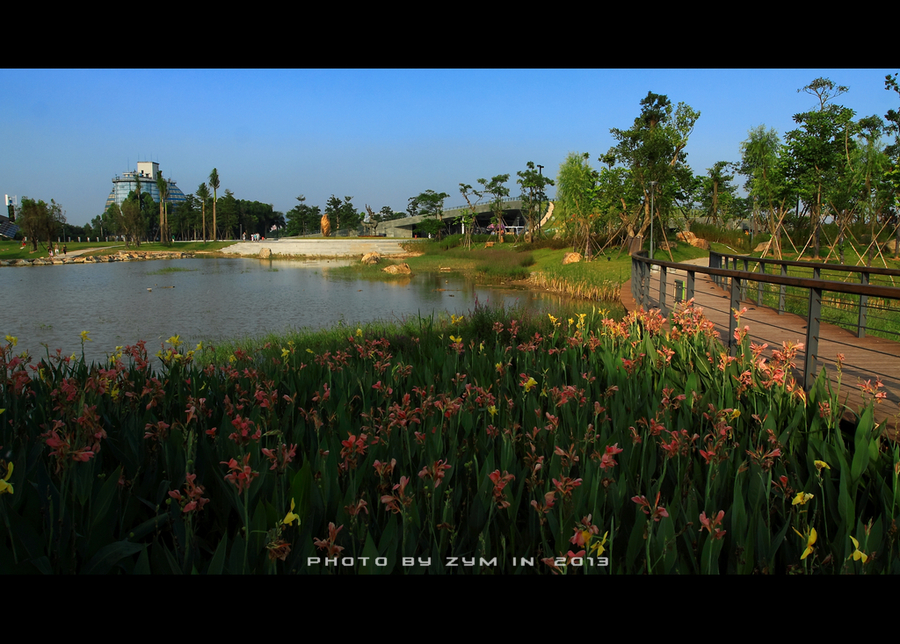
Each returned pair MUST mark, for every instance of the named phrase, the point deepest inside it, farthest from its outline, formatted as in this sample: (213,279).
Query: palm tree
(203,193)
(163,187)
(214,184)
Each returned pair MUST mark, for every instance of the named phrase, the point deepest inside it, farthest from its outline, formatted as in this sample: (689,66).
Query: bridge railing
(854,312)
(736,283)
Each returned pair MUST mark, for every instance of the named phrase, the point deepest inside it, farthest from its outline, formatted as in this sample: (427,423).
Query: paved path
(322,247)
(865,359)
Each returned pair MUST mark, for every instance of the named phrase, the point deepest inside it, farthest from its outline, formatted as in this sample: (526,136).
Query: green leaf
(217,564)
(110,555)
(861,452)
(107,492)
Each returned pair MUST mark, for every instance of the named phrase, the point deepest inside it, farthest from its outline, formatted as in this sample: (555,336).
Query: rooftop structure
(145,175)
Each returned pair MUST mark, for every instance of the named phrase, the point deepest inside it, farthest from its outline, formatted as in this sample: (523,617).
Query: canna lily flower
(801,498)
(810,540)
(820,465)
(600,546)
(13,340)
(291,517)
(529,384)
(84,337)
(175,341)
(5,487)
(455,338)
(857,553)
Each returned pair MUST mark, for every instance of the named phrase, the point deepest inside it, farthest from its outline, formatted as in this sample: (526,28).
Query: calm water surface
(214,299)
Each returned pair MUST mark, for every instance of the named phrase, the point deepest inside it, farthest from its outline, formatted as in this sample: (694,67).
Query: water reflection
(215,299)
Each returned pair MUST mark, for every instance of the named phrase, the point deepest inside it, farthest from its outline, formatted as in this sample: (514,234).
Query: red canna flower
(240,476)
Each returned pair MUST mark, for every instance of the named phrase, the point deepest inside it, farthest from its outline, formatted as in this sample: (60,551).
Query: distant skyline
(378,135)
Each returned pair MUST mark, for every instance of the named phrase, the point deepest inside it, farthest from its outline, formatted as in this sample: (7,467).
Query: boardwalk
(865,359)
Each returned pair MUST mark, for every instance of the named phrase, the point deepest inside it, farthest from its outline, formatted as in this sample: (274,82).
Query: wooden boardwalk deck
(865,359)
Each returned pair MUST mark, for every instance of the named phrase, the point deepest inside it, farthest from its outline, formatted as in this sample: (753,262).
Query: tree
(762,164)
(533,183)
(819,150)
(716,192)
(496,188)
(214,184)
(467,218)
(133,222)
(576,183)
(163,187)
(343,214)
(302,218)
(653,152)
(430,204)
(40,220)
(203,194)
(229,210)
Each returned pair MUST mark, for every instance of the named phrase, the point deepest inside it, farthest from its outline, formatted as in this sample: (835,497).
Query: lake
(120,303)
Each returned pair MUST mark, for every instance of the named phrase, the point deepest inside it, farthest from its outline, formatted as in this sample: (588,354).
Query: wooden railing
(866,275)
(735,282)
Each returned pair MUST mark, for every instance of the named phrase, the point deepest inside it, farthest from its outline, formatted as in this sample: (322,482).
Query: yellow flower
(801,498)
(735,414)
(492,410)
(820,465)
(199,347)
(84,337)
(529,385)
(291,517)
(553,320)
(5,487)
(600,546)
(284,352)
(175,340)
(571,321)
(581,317)
(309,351)
(857,553)
(358,332)
(455,339)
(13,340)
(231,358)
(810,540)
(456,320)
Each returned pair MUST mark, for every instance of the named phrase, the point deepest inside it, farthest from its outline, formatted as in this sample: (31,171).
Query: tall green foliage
(653,150)
(39,220)
(575,199)
(533,183)
(214,184)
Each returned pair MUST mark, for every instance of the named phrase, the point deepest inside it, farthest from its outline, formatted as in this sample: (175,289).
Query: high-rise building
(146,174)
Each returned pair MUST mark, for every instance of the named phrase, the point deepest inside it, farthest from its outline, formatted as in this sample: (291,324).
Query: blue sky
(378,135)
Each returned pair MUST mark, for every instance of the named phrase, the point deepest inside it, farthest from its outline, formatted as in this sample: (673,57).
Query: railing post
(662,291)
(733,306)
(781,290)
(812,337)
(744,284)
(679,291)
(863,307)
(715,261)
(759,285)
(690,285)
(645,285)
